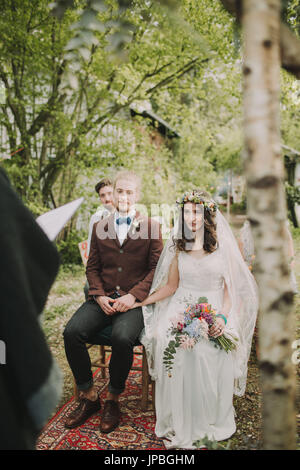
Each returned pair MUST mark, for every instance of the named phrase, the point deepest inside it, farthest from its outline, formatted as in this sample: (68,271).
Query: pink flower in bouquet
(176,320)
(186,342)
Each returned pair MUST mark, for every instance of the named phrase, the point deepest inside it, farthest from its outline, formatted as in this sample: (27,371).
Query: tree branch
(9,127)
(10,101)
(45,112)
(179,73)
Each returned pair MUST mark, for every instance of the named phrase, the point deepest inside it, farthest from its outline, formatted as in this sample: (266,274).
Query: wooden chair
(103,341)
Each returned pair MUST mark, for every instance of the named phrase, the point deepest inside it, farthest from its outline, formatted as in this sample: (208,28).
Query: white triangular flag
(53,221)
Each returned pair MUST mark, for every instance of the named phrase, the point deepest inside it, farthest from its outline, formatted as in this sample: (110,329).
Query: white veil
(242,290)
(249,252)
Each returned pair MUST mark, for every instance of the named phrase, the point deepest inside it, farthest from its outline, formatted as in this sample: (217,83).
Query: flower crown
(197,198)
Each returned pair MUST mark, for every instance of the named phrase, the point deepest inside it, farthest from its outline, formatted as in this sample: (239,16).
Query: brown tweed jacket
(128,268)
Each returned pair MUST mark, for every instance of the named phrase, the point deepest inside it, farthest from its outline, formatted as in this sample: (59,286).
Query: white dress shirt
(123,229)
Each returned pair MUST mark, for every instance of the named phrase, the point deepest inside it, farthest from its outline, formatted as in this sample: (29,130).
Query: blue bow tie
(123,220)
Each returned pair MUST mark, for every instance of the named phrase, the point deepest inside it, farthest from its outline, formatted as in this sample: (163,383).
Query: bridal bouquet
(190,327)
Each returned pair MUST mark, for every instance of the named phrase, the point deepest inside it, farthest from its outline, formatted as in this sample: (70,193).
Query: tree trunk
(267,214)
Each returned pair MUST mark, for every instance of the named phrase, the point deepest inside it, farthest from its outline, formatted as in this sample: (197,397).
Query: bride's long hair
(185,236)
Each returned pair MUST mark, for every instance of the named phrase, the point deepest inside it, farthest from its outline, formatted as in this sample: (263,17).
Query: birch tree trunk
(264,169)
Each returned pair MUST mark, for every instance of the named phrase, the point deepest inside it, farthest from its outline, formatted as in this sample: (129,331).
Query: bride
(201,259)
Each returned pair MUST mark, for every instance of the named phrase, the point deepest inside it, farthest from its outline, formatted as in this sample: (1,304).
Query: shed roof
(160,124)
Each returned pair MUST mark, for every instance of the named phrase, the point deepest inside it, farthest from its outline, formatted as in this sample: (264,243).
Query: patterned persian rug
(135,432)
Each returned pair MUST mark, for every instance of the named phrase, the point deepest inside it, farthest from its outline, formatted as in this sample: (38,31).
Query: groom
(125,248)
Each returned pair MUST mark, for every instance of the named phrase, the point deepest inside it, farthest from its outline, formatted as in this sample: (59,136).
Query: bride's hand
(217,329)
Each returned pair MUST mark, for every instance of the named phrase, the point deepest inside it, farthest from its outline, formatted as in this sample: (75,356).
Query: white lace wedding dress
(196,401)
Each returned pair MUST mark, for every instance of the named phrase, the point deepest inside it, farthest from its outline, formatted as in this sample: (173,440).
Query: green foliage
(290,12)
(68,249)
(295,231)
(36,208)
(293,197)
(59,8)
(117,55)
(239,207)
(180,84)
(67,269)
(211,445)
(293,193)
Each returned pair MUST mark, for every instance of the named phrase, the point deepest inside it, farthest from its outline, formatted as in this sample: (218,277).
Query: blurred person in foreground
(30,380)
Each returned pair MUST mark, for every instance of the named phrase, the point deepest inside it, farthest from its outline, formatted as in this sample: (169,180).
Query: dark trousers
(90,319)
(86,290)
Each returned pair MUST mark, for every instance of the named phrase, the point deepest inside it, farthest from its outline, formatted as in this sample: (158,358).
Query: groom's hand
(124,303)
(105,303)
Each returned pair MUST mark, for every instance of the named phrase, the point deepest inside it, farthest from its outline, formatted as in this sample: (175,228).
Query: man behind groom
(125,248)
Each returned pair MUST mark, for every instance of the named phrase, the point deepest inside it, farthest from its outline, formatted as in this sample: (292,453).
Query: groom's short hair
(130,175)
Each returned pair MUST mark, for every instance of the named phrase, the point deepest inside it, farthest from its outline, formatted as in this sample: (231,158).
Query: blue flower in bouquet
(197,328)
(193,329)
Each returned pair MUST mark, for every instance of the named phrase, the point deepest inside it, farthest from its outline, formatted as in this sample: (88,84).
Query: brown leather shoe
(84,410)
(110,417)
